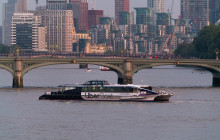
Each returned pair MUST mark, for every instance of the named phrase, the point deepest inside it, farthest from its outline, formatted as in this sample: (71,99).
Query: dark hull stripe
(98,100)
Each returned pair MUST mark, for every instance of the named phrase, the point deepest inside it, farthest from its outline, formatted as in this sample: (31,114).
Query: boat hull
(162,98)
(99,97)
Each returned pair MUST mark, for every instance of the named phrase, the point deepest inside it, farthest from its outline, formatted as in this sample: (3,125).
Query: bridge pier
(216,80)
(17,77)
(83,66)
(17,82)
(127,78)
(120,81)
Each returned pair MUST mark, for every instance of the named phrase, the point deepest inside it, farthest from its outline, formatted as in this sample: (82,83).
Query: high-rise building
(22,6)
(106,21)
(80,14)
(60,30)
(198,11)
(125,18)
(56,4)
(25,32)
(164,19)
(0,34)
(156,5)
(8,11)
(41,39)
(94,16)
(121,6)
(144,16)
(214,11)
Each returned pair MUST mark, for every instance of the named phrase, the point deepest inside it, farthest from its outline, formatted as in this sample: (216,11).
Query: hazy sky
(108,6)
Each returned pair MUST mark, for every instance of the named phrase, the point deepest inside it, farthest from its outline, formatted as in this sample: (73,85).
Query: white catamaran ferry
(97,90)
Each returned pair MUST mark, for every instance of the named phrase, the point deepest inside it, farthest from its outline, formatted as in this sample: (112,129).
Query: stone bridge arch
(9,65)
(27,66)
(26,69)
(215,70)
(7,69)
(115,68)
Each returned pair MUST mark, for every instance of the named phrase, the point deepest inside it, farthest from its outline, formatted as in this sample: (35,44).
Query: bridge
(124,67)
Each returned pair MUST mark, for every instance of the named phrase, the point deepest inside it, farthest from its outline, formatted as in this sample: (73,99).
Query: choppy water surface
(192,114)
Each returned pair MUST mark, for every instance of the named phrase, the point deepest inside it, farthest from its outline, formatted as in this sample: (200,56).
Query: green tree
(203,46)
(207,41)
(185,50)
(4,48)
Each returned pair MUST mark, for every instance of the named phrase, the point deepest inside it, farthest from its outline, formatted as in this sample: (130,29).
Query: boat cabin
(96,83)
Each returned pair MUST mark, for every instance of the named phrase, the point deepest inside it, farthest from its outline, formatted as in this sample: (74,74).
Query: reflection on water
(192,114)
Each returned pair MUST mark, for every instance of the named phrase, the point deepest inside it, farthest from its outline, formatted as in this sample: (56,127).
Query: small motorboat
(88,70)
(102,68)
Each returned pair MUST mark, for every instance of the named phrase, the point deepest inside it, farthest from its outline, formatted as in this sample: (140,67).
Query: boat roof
(103,83)
(131,85)
(96,82)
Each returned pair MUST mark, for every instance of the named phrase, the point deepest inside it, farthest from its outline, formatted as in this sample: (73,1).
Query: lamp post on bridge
(17,51)
(217,51)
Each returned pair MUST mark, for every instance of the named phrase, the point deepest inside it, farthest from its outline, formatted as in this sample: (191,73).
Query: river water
(192,114)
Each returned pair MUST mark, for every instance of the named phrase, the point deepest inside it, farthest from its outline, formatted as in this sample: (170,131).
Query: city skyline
(108,6)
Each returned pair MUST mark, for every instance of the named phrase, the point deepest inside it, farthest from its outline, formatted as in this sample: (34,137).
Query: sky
(108,6)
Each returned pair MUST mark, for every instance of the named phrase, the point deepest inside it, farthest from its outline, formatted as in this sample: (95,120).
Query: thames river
(193,113)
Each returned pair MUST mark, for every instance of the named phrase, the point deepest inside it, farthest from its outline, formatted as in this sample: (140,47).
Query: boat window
(93,83)
(127,89)
(108,89)
(135,90)
(85,89)
(105,89)
(88,89)
(93,89)
(118,89)
(101,89)
(100,83)
(105,83)
(146,90)
(98,89)
(111,89)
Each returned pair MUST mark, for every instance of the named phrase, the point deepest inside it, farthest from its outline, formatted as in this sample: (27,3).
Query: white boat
(88,70)
(164,95)
(102,68)
(97,90)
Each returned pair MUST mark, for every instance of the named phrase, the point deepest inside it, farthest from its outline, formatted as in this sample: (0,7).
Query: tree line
(204,46)
(4,49)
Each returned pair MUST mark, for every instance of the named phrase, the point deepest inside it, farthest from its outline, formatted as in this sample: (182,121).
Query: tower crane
(164,48)
(171,36)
